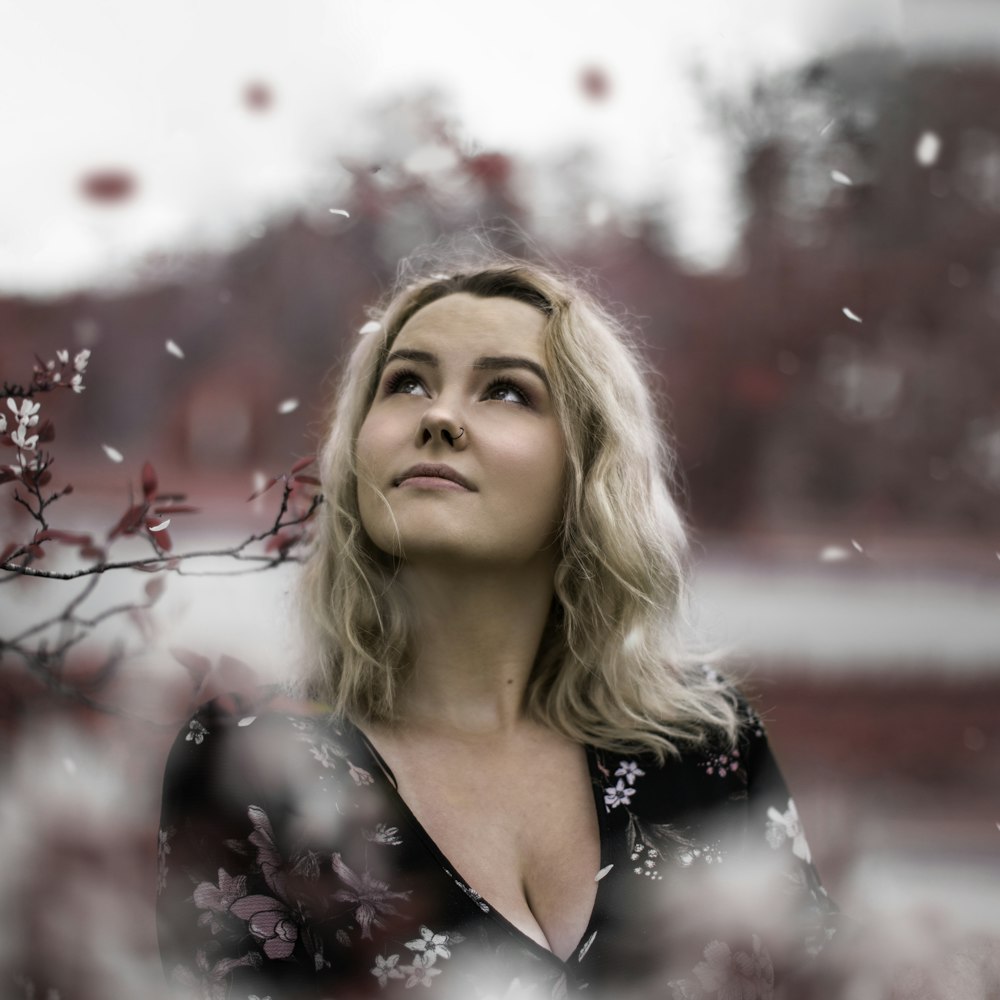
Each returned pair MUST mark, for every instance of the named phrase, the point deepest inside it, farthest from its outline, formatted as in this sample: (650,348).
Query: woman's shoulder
(267,743)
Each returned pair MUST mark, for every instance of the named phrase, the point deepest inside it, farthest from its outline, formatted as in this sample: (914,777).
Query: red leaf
(37,551)
(129,522)
(47,432)
(92,552)
(263,489)
(67,489)
(149,481)
(302,463)
(107,185)
(6,476)
(45,478)
(155,587)
(176,508)
(311,480)
(162,538)
(278,541)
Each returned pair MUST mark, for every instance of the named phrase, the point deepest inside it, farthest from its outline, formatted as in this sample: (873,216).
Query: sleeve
(224,927)
(799,916)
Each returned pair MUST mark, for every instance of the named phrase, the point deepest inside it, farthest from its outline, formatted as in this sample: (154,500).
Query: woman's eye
(506,392)
(403,382)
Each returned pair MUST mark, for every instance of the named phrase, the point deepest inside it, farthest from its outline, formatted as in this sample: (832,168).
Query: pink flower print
(360,775)
(212,983)
(270,921)
(618,794)
(267,852)
(370,896)
(739,976)
(218,899)
(629,770)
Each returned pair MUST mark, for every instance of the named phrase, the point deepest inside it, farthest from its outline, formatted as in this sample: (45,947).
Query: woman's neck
(475,639)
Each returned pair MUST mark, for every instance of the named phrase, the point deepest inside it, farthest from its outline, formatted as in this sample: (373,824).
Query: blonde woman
(513,779)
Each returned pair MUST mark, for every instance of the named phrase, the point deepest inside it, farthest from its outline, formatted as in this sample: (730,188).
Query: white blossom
(113,453)
(81,359)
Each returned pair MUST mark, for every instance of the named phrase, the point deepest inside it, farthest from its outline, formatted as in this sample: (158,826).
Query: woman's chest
(520,829)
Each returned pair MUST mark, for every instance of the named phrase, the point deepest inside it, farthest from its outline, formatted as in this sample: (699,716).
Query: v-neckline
(453,874)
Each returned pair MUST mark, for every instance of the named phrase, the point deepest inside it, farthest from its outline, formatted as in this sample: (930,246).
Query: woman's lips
(432,483)
(429,475)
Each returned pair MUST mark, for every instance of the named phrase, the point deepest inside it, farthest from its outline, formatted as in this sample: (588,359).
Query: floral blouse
(291,869)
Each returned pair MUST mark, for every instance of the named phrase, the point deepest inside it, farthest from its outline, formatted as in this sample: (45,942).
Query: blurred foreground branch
(43,646)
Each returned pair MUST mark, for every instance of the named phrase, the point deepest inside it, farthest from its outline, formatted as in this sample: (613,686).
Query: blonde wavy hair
(612,668)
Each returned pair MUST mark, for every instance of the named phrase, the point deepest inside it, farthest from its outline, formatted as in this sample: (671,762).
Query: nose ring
(461,431)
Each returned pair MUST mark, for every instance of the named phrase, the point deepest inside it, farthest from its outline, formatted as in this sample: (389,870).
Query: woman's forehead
(461,321)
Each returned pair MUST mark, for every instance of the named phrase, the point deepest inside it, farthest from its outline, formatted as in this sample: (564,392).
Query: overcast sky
(157,88)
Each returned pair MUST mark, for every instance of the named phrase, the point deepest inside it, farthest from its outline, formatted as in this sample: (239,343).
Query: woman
(514,780)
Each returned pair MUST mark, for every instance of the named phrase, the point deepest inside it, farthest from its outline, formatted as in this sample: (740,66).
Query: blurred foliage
(789,414)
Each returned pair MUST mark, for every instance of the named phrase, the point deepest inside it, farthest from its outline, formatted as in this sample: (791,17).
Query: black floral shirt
(291,869)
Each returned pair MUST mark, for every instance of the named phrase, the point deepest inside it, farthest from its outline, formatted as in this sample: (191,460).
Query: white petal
(850,314)
(857,545)
(840,177)
(340,211)
(833,553)
(173,349)
(928,149)
(372,326)
(288,406)
(162,526)
(604,871)
(247,720)
(113,453)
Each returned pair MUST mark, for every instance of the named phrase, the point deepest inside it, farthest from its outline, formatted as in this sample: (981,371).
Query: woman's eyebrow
(510,361)
(488,363)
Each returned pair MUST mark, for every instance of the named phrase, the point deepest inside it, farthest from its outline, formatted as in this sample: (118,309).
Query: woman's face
(464,387)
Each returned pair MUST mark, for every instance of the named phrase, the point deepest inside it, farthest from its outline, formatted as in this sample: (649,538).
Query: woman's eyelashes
(501,389)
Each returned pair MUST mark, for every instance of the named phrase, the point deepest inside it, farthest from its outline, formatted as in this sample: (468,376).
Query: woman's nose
(438,424)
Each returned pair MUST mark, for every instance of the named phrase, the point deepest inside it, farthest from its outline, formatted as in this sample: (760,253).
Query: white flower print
(420,972)
(197,731)
(787,826)
(162,850)
(324,755)
(629,770)
(383,834)
(360,775)
(385,969)
(433,946)
(618,794)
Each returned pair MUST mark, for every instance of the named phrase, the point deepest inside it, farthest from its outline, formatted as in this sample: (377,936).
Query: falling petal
(173,349)
(162,526)
(850,314)
(288,406)
(928,149)
(833,553)
(840,177)
(246,721)
(340,211)
(826,128)
(113,453)
(857,545)
(604,871)
(372,326)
